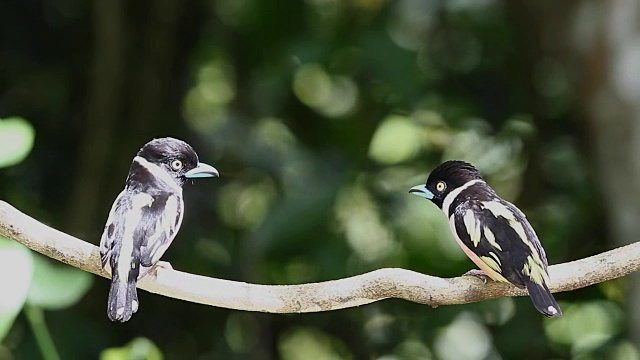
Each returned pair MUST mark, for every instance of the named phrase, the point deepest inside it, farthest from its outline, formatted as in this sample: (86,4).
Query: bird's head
(177,158)
(445,178)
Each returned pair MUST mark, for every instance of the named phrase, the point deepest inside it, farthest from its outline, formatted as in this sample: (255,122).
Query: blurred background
(320,115)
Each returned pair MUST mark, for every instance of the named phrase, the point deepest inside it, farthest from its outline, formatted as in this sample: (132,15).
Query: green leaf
(56,286)
(16,136)
(16,269)
(137,349)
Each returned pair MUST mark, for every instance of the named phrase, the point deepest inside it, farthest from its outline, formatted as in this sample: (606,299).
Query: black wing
(139,229)
(500,235)
(114,228)
(159,224)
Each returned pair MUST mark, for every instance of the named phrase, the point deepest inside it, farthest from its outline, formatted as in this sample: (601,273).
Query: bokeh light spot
(308,343)
(361,222)
(397,139)
(312,85)
(204,104)
(464,339)
(333,96)
(585,326)
(244,206)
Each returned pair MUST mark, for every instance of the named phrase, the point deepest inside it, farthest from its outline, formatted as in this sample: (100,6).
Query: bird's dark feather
(160,222)
(159,150)
(515,250)
(153,218)
(455,173)
(140,178)
(113,230)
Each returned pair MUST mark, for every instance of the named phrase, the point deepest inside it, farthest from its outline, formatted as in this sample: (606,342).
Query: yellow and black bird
(493,233)
(145,218)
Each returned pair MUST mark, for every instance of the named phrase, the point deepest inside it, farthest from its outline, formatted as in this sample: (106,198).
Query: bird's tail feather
(123,299)
(543,299)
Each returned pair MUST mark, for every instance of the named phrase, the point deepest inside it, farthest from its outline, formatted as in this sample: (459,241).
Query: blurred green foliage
(320,116)
(48,280)
(137,349)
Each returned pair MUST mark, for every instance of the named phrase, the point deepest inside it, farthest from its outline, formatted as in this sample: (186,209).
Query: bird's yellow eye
(176,164)
(440,186)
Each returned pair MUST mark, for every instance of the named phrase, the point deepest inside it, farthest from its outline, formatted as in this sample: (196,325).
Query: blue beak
(202,171)
(421,190)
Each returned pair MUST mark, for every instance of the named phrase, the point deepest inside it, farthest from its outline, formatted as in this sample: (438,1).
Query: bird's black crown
(160,150)
(453,174)
(173,155)
(456,172)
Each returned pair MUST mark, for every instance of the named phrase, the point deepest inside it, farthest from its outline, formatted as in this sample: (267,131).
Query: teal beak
(202,171)
(421,190)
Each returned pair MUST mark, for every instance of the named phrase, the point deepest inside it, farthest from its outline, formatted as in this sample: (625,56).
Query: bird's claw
(477,273)
(165,265)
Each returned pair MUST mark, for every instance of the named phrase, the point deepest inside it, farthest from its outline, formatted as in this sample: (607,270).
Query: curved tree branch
(322,296)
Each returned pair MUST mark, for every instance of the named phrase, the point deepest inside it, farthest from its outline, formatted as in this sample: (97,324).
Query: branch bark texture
(323,296)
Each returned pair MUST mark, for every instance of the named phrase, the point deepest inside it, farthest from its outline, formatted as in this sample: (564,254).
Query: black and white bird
(145,218)
(493,233)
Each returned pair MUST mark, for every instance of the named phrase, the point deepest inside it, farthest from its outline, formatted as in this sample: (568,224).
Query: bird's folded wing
(501,237)
(112,229)
(159,225)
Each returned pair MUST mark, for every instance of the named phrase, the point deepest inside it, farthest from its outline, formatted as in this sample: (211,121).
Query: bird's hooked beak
(202,171)
(421,190)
